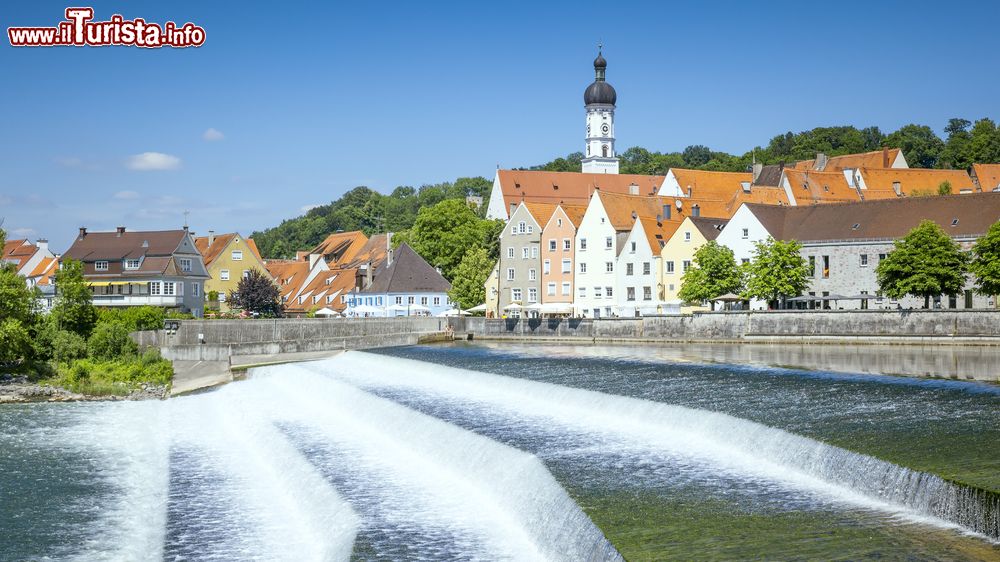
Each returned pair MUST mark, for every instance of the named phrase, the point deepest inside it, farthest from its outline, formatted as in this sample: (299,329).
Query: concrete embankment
(206,353)
(968,327)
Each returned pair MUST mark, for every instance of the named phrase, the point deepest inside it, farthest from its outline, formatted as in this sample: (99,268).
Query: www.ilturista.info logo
(78,30)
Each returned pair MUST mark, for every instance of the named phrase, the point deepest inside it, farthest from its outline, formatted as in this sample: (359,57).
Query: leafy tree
(924,263)
(919,143)
(73,309)
(985,263)
(17,302)
(956,148)
(696,155)
(443,233)
(110,340)
(258,293)
(67,346)
(984,142)
(468,288)
(776,270)
(944,188)
(15,341)
(714,273)
(491,238)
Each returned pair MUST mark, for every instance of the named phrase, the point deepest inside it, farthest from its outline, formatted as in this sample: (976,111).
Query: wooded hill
(370,211)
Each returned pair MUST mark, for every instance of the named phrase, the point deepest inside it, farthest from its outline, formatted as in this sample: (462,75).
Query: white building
(599,101)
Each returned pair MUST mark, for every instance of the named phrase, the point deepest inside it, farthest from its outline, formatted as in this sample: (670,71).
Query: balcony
(138,300)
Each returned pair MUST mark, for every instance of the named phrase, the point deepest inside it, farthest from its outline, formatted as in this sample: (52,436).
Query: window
(744,260)
(565,289)
(156,289)
(686,266)
(567,244)
(746,233)
(195,289)
(583,292)
(423,301)
(168,288)
(826,267)
(522,227)
(687,236)
(550,289)
(632,248)
(531,229)
(583,244)
(609,242)
(513,230)
(237,255)
(645,268)
(534,252)
(583,267)
(812,266)
(647,293)
(510,273)
(525,252)
(132,264)
(597,292)
(630,294)
(607,291)
(670,268)
(552,245)
(411,300)
(629,269)
(246,273)
(864,260)
(532,294)
(222,297)
(515,294)
(224,275)
(399,300)
(532,274)
(185,265)
(546,267)
(100,265)
(567,266)
(510,253)
(558,222)
(696,211)
(609,266)
(881,257)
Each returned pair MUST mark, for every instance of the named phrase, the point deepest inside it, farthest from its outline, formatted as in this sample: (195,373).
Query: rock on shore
(18,390)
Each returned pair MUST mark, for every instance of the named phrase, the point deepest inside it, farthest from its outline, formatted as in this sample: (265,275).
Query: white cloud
(213,135)
(23,232)
(153,161)
(126,195)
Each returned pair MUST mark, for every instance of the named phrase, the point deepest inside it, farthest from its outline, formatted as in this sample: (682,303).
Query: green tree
(73,309)
(919,143)
(67,346)
(984,142)
(110,341)
(17,302)
(776,270)
(956,147)
(468,286)
(15,342)
(924,263)
(696,155)
(443,233)
(257,293)
(714,273)
(985,264)
(944,188)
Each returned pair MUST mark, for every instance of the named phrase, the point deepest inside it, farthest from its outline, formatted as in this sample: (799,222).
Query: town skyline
(246,146)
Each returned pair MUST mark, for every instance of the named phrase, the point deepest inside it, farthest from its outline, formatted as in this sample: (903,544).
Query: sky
(288,105)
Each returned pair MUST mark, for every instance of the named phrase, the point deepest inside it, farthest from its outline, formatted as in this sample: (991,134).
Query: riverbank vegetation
(77,346)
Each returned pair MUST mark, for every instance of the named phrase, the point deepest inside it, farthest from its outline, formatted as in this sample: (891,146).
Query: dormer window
(101,265)
(954,222)
(856,226)
(185,265)
(132,264)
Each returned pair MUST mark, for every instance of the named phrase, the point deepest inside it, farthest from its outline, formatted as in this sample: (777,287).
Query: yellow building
(677,254)
(228,257)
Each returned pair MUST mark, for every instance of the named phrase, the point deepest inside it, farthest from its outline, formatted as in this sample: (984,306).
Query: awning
(107,283)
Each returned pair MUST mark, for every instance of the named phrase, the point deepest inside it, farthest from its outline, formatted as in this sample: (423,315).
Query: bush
(134,318)
(111,341)
(119,377)
(45,331)
(67,346)
(15,342)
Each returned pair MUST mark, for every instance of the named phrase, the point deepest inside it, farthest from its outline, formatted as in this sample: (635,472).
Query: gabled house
(340,247)
(511,187)
(719,194)
(808,187)
(43,279)
(637,291)
(558,251)
(24,255)
(885,158)
(677,254)
(986,177)
(844,243)
(136,268)
(405,285)
(309,284)
(228,258)
(520,251)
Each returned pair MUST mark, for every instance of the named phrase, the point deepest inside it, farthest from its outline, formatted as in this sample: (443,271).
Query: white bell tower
(599,101)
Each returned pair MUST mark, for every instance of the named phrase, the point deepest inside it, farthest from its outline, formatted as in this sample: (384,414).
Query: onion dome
(600,92)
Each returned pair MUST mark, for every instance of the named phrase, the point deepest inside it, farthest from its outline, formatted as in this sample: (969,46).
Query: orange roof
(988,176)
(710,184)
(874,159)
(45,270)
(912,181)
(253,248)
(373,252)
(289,274)
(574,213)
(811,187)
(541,212)
(213,251)
(657,234)
(340,247)
(573,188)
(332,283)
(622,210)
(18,251)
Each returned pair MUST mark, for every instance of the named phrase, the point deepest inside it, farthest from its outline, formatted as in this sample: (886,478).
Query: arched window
(604,151)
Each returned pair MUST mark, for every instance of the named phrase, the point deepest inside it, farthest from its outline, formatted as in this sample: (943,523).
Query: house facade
(405,285)
(558,249)
(677,254)
(637,285)
(152,268)
(228,258)
(520,256)
(24,256)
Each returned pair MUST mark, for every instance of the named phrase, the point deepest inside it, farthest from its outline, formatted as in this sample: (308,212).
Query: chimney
(821,161)
(633,189)
(185,228)
(897,188)
(368,275)
(885,156)
(83,232)
(301,255)
(211,237)
(757,168)
(690,191)
(388,248)
(42,244)
(313,259)
(119,231)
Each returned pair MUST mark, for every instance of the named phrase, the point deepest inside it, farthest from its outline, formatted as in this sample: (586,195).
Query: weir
(729,443)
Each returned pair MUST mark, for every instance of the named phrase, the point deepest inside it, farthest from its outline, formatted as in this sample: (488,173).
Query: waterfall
(725,441)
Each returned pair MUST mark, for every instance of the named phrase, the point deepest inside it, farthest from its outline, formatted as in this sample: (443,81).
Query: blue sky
(314,98)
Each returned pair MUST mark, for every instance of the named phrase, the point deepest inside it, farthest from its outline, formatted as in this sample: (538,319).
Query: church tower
(599,101)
